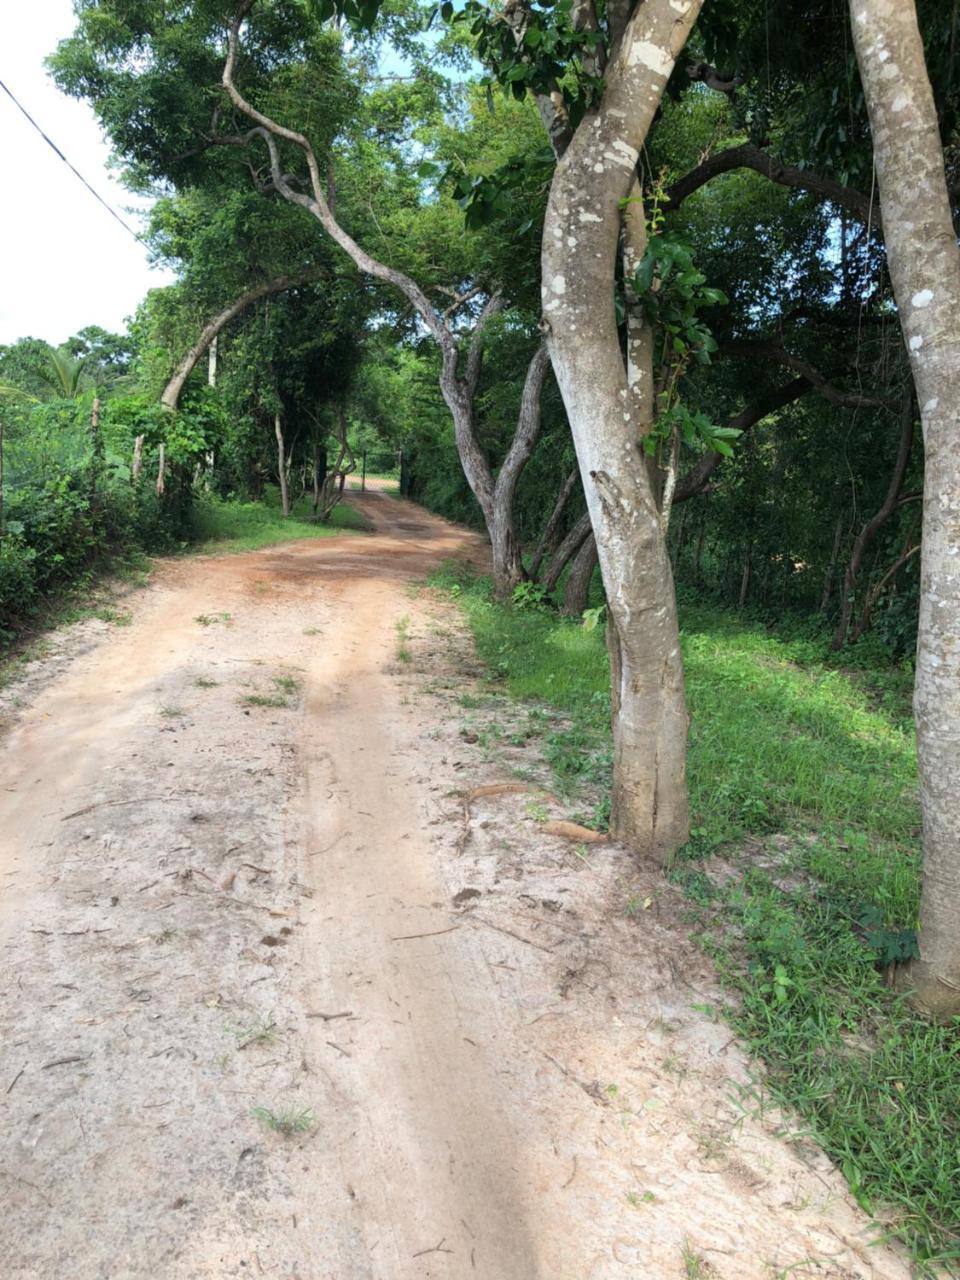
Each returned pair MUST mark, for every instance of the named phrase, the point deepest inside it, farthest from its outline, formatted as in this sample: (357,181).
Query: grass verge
(225,527)
(802,874)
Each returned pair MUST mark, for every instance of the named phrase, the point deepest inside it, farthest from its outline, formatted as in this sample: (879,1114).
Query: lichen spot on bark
(650,55)
(931,405)
(559,285)
(916,342)
(922,299)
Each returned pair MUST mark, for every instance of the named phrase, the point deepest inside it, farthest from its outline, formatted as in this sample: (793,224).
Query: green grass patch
(220,527)
(802,770)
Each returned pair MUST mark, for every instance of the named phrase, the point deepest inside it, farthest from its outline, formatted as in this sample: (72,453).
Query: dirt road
(284,996)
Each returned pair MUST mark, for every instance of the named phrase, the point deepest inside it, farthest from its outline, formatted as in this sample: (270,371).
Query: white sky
(64,261)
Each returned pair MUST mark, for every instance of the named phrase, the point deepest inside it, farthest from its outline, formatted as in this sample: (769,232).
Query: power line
(50,143)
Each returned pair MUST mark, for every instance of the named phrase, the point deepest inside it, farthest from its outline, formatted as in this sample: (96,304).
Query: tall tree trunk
(161,485)
(567,549)
(283,464)
(875,592)
(458,376)
(577,591)
(870,530)
(97,456)
(137,462)
(698,554)
(546,545)
(924,263)
(832,565)
(611,408)
(508,568)
(745,578)
(678,541)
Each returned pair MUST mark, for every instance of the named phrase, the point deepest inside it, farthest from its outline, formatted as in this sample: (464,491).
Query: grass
(262,1032)
(803,780)
(285,686)
(402,628)
(695,1265)
(222,527)
(288,1122)
(264,700)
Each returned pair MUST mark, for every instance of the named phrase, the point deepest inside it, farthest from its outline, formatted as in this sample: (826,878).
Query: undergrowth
(802,874)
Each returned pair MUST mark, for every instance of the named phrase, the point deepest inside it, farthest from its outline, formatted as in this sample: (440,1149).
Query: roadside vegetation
(802,873)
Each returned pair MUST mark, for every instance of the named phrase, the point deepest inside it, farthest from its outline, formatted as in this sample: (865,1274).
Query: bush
(67,510)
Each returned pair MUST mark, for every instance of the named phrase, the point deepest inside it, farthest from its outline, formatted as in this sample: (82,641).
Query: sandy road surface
(237,881)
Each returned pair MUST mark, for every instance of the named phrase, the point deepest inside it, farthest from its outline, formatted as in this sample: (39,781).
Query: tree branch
(171,392)
(695,480)
(528,427)
(546,538)
(748,156)
(742,348)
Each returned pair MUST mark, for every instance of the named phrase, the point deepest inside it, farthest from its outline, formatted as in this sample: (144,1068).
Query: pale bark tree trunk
(283,465)
(577,591)
(508,568)
(137,462)
(458,375)
(611,408)
(96,440)
(924,266)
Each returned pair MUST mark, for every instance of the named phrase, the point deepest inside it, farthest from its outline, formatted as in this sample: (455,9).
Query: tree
(924,265)
(278,77)
(610,400)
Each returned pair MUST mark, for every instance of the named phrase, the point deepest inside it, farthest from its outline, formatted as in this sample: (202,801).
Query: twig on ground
(108,804)
(510,934)
(437,1248)
(408,937)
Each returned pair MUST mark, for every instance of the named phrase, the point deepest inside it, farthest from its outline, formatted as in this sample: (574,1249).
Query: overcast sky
(65,262)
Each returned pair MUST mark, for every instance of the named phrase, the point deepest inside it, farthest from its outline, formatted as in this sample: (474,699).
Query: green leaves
(695,430)
(550,54)
(487,197)
(672,291)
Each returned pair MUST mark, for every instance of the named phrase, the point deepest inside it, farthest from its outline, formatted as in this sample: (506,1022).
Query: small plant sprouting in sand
(204,682)
(262,1032)
(212,619)
(172,713)
(695,1265)
(288,1122)
(287,684)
